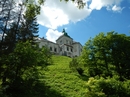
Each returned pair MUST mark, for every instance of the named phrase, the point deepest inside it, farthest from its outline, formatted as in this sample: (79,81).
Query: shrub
(109,87)
(74,65)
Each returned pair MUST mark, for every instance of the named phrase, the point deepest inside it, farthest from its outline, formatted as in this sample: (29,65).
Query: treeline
(106,62)
(21,60)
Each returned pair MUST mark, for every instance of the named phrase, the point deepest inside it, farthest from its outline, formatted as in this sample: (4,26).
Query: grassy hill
(59,78)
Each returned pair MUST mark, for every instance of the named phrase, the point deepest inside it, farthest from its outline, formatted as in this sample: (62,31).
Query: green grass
(60,78)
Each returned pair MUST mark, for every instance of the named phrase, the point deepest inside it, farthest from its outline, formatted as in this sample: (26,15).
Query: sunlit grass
(60,78)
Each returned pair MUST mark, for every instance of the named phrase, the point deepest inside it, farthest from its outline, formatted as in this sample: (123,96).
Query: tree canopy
(107,54)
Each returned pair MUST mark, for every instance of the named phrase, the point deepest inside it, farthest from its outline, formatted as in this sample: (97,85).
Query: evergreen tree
(29,28)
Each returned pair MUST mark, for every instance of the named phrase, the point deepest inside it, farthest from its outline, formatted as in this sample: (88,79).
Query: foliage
(17,61)
(15,26)
(80,71)
(24,64)
(75,65)
(110,87)
(106,55)
(28,29)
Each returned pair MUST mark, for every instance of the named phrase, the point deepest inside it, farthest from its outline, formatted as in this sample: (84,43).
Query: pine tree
(28,29)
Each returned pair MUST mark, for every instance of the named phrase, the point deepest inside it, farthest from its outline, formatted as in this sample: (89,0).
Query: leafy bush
(74,65)
(110,87)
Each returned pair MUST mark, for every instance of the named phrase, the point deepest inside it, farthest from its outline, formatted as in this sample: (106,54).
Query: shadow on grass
(40,90)
(83,77)
(29,89)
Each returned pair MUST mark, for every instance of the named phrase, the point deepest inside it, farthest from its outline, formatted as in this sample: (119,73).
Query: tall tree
(11,15)
(17,23)
(28,29)
(106,54)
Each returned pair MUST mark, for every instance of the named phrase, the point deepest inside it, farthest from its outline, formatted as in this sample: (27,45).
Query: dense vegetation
(107,55)
(20,58)
(106,61)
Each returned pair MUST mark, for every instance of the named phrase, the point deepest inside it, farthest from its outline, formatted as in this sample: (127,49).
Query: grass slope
(60,78)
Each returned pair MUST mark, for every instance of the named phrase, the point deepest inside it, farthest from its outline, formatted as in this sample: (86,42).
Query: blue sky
(97,16)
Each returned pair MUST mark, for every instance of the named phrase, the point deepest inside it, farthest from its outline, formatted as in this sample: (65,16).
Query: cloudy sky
(81,24)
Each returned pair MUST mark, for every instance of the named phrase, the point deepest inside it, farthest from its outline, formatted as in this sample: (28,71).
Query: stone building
(64,45)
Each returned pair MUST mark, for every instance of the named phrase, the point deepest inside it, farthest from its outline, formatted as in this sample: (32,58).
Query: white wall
(49,44)
(77,49)
(64,42)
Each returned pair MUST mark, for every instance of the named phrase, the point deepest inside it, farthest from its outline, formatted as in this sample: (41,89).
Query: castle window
(71,50)
(60,49)
(55,50)
(67,48)
(50,48)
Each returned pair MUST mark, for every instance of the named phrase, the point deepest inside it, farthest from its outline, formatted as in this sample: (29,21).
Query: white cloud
(52,17)
(55,13)
(96,4)
(117,8)
(109,4)
(52,35)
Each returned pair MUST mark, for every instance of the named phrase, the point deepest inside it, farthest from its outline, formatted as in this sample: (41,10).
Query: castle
(64,45)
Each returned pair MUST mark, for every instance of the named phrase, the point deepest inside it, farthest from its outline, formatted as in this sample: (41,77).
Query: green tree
(119,45)
(108,54)
(23,64)
(28,29)
(23,28)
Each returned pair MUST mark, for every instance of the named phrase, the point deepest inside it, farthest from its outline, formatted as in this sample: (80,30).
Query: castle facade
(64,45)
